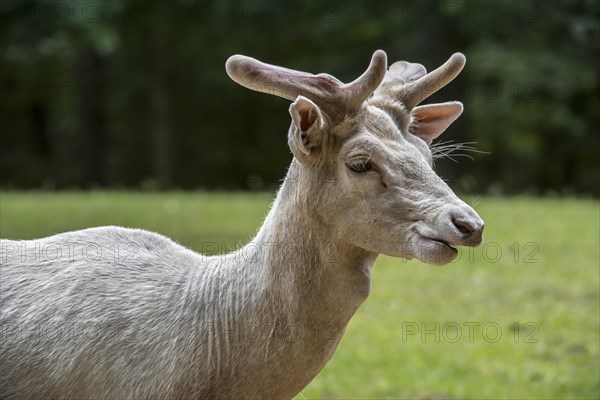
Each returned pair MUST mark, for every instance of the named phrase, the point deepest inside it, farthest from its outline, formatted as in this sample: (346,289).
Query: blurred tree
(134,94)
(161,93)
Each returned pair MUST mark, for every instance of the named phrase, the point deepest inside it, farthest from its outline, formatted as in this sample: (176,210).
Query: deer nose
(470,228)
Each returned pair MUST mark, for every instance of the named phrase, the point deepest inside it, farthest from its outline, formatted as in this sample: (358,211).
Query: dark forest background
(134,94)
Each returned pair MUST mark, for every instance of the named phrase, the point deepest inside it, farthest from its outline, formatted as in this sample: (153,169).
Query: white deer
(117,313)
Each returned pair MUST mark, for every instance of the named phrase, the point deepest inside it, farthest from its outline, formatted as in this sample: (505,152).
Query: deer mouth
(438,242)
(441,241)
(431,248)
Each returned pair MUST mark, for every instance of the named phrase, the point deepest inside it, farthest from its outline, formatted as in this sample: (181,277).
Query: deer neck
(306,269)
(286,299)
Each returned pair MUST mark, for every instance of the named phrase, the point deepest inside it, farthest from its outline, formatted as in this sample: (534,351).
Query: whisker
(448,149)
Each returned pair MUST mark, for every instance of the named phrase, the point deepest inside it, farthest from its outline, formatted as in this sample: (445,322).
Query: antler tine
(414,93)
(363,86)
(335,97)
(266,78)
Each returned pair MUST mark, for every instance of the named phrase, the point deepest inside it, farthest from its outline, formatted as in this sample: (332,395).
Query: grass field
(515,318)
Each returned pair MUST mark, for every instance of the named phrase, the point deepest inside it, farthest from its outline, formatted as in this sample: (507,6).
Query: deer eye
(360,166)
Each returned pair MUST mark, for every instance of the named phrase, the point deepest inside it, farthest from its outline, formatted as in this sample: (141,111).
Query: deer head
(362,149)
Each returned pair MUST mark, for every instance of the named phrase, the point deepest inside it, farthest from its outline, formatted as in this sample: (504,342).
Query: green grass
(551,285)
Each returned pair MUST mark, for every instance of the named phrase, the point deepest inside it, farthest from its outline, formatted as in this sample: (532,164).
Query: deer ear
(307,124)
(431,120)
